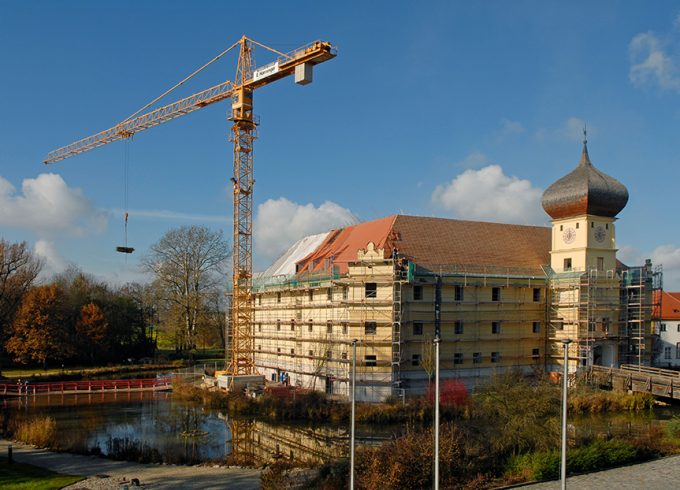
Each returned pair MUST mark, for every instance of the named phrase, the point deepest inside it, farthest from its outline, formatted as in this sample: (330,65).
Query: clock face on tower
(600,234)
(569,235)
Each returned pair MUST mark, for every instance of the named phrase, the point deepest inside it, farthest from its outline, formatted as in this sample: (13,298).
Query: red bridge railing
(56,387)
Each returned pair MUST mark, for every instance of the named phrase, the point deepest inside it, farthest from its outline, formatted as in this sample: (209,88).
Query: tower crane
(300,63)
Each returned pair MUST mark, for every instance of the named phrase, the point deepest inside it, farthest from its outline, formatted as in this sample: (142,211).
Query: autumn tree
(188,263)
(19,268)
(40,332)
(91,329)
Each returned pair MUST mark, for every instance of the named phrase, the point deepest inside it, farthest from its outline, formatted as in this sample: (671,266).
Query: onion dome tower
(583,206)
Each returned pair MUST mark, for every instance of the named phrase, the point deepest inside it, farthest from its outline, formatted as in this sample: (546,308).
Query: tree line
(77,319)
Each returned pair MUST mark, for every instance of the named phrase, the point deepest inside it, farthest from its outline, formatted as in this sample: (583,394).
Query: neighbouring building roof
(435,242)
(670,306)
(285,265)
(585,190)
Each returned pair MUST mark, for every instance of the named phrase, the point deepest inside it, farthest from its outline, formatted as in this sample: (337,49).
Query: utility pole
(565,387)
(354,376)
(437,341)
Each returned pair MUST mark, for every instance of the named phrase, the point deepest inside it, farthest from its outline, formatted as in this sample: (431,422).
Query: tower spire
(585,159)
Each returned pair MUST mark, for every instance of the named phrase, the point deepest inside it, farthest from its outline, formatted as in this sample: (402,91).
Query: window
(458,327)
(278,324)
(329,326)
(329,354)
(259,347)
(495,357)
(278,297)
(370,328)
(371,290)
(310,326)
(458,358)
(577,225)
(662,327)
(567,264)
(417,293)
(606,226)
(591,326)
(561,227)
(536,327)
(311,353)
(458,293)
(345,328)
(600,263)
(259,327)
(345,293)
(370,361)
(278,350)
(292,351)
(311,295)
(677,350)
(417,328)
(476,357)
(592,224)
(344,355)
(259,299)
(495,327)
(292,324)
(495,294)
(537,295)
(666,352)
(535,353)
(678,327)
(415,360)
(329,294)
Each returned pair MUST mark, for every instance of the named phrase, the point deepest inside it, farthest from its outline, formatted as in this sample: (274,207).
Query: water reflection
(152,427)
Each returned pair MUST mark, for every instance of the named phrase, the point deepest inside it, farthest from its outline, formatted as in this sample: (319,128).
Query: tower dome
(585,190)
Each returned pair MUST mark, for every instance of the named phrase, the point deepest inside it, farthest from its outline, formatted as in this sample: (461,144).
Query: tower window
(606,226)
(567,264)
(561,227)
(592,224)
(577,225)
(600,263)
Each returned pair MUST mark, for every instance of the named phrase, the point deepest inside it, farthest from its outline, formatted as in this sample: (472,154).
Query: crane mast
(243,133)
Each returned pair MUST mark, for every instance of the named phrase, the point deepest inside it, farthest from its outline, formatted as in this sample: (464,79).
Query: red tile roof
(670,306)
(434,242)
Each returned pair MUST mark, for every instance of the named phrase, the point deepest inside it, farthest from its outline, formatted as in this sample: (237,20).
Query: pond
(152,427)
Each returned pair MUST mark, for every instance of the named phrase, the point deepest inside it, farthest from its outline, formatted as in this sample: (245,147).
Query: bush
(673,427)
(39,431)
(545,465)
(587,400)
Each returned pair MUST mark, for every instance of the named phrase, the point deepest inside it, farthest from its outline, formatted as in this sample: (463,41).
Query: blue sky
(427,108)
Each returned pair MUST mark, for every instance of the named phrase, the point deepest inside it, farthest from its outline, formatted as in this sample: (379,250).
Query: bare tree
(188,264)
(19,268)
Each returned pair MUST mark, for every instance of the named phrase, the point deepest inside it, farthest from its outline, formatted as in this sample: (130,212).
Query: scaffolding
(597,308)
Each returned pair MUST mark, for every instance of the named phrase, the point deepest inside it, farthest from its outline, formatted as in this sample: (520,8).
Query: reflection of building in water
(255,443)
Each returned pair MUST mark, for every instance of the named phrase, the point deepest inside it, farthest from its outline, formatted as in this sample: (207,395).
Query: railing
(21,389)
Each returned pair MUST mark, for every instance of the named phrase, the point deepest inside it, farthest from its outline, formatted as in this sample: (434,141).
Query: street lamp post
(565,386)
(437,341)
(354,375)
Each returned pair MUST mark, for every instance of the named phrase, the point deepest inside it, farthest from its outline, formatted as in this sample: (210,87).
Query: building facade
(667,329)
(498,296)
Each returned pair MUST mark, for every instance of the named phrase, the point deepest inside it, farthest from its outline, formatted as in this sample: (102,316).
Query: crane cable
(126,173)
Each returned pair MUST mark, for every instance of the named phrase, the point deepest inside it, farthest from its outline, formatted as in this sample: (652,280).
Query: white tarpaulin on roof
(285,265)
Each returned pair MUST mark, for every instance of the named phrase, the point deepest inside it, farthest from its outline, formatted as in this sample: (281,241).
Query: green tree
(40,332)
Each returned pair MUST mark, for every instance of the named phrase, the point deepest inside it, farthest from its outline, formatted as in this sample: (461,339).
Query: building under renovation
(499,296)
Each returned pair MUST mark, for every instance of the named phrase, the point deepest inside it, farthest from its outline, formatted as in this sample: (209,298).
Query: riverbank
(104,474)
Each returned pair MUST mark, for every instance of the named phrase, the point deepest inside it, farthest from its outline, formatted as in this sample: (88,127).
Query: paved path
(149,475)
(662,474)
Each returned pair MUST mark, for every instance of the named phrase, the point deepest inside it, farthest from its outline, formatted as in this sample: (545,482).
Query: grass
(21,476)
(80,372)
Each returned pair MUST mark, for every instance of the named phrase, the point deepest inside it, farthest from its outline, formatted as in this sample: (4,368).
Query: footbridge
(642,379)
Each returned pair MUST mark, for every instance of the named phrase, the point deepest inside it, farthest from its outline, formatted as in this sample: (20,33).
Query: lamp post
(351,450)
(437,341)
(565,386)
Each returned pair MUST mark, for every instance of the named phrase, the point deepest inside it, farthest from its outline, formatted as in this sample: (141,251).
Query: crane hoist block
(303,74)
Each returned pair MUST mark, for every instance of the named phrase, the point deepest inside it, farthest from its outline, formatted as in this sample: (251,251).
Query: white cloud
(570,130)
(490,195)
(47,207)
(508,128)
(53,262)
(280,222)
(669,257)
(475,159)
(651,64)
(630,255)
(165,214)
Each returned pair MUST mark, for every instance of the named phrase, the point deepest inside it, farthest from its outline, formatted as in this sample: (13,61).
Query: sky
(456,109)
